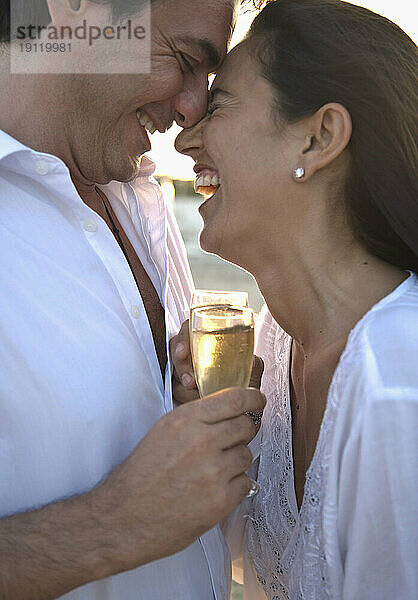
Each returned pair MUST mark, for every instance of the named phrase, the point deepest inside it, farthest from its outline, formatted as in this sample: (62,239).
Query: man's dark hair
(318,51)
(36,11)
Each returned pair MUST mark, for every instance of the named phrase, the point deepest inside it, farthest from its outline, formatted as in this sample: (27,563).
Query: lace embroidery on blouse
(287,546)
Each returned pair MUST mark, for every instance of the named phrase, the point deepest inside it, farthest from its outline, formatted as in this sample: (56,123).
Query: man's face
(103,114)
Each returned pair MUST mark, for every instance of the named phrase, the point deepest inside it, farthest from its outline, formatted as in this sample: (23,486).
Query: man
(94,283)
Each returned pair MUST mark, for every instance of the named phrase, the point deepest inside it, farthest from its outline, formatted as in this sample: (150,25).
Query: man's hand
(185,476)
(184,384)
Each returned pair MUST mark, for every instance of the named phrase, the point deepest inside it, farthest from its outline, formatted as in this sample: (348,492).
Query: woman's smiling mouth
(207,180)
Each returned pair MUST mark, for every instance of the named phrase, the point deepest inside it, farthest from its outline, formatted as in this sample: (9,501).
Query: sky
(169,162)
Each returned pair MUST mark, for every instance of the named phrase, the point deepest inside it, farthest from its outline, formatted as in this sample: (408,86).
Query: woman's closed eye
(212,108)
(218,99)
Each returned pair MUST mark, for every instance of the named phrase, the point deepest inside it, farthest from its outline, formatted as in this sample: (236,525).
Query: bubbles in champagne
(222,355)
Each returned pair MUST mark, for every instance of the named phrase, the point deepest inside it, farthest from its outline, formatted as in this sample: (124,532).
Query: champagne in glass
(222,345)
(212,297)
(222,340)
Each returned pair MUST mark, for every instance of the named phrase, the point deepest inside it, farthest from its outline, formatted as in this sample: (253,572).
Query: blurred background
(176,176)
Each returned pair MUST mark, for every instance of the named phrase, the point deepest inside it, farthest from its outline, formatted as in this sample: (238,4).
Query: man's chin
(123,171)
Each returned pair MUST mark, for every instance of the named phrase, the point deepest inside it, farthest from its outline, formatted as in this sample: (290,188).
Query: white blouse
(356,535)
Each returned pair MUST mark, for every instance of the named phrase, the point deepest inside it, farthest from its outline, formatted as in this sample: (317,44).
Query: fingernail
(180,348)
(186,379)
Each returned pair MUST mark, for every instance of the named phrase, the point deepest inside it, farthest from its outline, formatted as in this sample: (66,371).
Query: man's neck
(86,190)
(33,112)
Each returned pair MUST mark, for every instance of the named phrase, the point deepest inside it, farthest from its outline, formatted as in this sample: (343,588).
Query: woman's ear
(329,133)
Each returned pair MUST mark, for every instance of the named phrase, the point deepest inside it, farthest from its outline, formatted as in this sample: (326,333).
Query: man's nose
(191,103)
(189,141)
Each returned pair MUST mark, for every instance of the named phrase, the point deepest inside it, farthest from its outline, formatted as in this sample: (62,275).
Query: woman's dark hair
(319,51)
(36,12)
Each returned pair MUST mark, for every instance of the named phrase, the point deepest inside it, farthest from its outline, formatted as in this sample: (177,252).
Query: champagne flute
(222,347)
(211,297)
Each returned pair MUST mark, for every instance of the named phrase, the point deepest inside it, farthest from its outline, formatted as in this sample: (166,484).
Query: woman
(310,146)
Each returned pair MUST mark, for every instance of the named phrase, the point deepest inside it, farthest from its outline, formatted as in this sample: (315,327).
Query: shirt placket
(104,244)
(153,224)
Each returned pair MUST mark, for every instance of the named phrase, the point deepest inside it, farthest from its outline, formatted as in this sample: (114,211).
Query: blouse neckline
(298,513)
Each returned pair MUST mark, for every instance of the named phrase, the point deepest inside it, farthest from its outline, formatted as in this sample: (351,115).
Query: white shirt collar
(9,145)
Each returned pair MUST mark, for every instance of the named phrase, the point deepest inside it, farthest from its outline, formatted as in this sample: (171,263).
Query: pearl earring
(299,172)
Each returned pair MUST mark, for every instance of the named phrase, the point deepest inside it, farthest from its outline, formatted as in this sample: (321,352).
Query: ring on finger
(255,416)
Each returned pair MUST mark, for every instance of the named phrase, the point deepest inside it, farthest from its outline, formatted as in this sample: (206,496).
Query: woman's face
(240,142)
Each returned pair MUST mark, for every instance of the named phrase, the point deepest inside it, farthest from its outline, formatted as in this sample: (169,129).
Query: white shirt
(356,535)
(80,382)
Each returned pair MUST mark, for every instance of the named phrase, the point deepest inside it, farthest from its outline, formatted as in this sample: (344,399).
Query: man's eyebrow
(212,55)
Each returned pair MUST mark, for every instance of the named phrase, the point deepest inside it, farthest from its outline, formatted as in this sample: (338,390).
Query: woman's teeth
(206,181)
(146,121)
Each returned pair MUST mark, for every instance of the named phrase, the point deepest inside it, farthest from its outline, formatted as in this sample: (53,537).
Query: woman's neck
(318,297)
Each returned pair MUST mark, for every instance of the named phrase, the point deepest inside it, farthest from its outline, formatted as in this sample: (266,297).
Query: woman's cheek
(207,134)
(212,138)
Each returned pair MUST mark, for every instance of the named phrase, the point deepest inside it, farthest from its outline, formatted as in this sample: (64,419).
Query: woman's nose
(189,141)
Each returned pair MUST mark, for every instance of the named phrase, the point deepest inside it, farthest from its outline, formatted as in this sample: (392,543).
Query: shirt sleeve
(380,496)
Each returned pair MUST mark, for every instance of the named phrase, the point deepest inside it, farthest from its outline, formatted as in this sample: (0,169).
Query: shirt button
(41,167)
(135,311)
(90,225)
